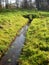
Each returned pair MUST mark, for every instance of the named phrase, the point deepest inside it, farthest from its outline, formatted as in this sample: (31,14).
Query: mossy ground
(36,48)
(10,24)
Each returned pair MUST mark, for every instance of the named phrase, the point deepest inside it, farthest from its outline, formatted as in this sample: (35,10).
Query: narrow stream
(12,55)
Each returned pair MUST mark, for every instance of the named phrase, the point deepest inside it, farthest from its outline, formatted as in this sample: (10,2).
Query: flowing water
(12,55)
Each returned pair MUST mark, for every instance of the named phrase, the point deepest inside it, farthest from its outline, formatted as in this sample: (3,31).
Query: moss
(10,24)
(36,50)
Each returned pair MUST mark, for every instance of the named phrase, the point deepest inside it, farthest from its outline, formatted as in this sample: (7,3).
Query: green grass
(10,24)
(36,48)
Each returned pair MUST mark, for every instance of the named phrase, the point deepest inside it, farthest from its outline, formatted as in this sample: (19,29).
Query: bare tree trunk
(0,3)
(6,3)
(17,3)
(38,4)
(48,4)
(25,3)
(30,6)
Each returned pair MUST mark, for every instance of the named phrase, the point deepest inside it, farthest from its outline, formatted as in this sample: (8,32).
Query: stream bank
(13,53)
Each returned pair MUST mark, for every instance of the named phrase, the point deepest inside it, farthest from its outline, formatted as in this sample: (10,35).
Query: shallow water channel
(13,53)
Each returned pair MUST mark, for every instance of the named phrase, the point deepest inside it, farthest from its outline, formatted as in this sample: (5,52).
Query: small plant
(10,24)
(36,48)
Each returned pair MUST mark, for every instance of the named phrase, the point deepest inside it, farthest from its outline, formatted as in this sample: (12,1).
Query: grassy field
(36,48)
(10,24)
